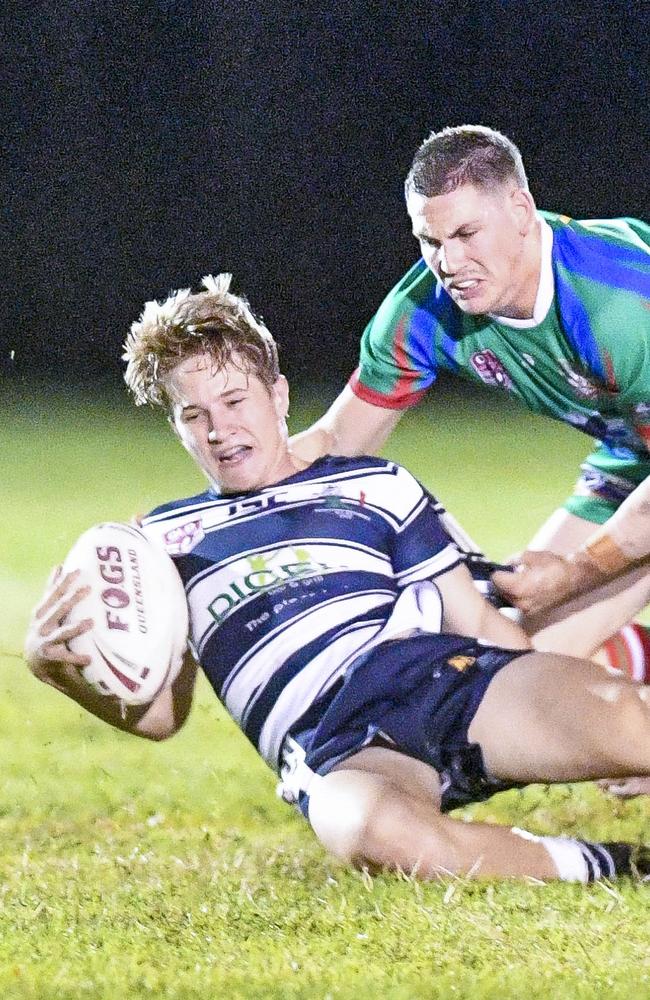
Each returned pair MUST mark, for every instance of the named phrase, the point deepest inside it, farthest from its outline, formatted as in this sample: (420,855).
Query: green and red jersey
(584,358)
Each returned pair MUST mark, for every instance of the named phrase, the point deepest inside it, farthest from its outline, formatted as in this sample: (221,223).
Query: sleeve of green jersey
(397,354)
(622,314)
(623,325)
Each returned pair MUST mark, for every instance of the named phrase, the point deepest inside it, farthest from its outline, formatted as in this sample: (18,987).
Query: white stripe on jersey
(254,670)
(312,682)
(388,490)
(430,567)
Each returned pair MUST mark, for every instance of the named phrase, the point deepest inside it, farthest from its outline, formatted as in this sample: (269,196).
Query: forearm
(67,679)
(156,721)
(468,613)
(53,660)
(621,543)
(497,629)
(546,579)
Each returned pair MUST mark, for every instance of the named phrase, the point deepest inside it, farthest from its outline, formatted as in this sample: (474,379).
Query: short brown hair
(465,154)
(214,322)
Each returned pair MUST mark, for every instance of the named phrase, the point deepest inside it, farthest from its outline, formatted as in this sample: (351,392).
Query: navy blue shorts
(417,696)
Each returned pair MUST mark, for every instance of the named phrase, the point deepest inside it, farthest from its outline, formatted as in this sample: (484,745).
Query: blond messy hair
(214,322)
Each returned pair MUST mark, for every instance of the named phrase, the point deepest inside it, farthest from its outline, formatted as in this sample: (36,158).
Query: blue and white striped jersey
(288,585)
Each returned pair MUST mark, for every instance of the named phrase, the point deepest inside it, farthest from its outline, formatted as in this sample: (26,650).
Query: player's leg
(552,718)
(382,809)
(371,811)
(586,623)
(535,717)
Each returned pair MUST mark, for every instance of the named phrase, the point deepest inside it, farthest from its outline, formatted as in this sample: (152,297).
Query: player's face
(231,424)
(477,243)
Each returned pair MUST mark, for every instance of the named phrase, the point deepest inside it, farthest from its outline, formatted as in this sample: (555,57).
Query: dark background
(151,143)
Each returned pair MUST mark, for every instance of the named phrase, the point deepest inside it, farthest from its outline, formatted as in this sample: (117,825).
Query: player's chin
(475,306)
(242,480)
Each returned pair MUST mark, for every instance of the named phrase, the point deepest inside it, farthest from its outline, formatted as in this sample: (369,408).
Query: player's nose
(220,428)
(450,258)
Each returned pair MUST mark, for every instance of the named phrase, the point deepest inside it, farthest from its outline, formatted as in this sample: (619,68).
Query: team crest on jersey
(184,537)
(490,370)
(344,507)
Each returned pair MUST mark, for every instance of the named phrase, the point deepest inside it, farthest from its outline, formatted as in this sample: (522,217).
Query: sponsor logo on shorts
(642,422)
(461,663)
(605,485)
(490,370)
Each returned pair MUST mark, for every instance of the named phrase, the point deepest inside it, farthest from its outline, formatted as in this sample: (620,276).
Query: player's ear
(523,206)
(281,396)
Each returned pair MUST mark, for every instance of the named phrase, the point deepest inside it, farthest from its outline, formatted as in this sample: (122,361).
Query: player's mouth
(234,456)
(465,290)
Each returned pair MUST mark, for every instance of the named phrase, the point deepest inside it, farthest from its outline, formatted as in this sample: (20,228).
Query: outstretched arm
(351,426)
(51,660)
(543,579)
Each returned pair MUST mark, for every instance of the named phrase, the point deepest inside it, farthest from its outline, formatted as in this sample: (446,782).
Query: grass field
(130,869)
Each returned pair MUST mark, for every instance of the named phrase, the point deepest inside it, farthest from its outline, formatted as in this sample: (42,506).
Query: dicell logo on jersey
(183,538)
(265,573)
(490,370)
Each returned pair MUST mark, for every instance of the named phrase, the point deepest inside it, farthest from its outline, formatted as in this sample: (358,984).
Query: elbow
(156,735)
(161,721)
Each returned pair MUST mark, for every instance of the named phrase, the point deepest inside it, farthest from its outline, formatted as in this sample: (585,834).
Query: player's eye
(236,400)
(189,416)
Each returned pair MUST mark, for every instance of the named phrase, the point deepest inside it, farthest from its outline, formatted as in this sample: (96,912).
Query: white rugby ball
(138,606)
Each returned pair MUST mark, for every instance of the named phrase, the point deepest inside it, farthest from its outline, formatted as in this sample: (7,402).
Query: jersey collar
(546,289)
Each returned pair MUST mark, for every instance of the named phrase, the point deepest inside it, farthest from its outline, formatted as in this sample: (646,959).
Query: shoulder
(344,464)
(623,240)
(417,289)
(604,261)
(181,506)
(378,483)
(358,466)
(180,524)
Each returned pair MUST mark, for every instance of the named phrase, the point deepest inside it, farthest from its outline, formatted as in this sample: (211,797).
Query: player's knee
(632,749)
(638,711)
(344,809)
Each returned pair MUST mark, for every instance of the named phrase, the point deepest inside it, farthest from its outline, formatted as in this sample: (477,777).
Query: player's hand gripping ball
(137,602)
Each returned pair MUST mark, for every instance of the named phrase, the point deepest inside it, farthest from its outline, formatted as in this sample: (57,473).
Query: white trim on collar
(546,289)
